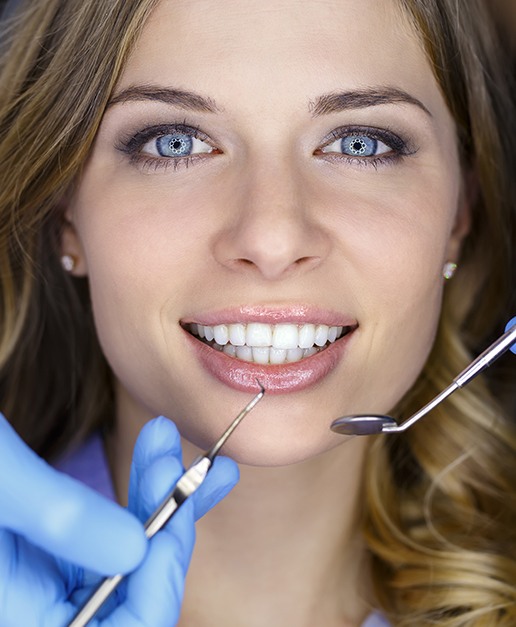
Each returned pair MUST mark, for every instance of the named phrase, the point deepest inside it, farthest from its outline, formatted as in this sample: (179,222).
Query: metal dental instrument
(185,486)
(371,425)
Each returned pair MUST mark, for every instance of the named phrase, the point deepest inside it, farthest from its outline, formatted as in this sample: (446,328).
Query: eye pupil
(359,146)
(176,145)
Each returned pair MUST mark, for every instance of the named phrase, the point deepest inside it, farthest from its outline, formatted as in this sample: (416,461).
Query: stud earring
(449,270)
(68,262)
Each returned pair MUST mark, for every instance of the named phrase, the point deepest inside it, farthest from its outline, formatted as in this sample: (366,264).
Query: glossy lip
(277,379)
(297,314)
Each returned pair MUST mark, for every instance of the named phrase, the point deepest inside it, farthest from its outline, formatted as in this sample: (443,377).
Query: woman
(198,194)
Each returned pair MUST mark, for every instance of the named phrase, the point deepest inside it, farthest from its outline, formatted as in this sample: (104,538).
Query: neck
(286,544)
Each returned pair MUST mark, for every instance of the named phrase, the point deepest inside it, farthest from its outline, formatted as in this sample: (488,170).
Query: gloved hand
(52,528)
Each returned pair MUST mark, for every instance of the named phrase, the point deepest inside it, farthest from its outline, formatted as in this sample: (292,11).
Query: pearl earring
(449,270)
(68,262)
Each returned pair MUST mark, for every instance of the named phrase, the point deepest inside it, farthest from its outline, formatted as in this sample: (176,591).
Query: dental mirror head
(362,425)
(374,424)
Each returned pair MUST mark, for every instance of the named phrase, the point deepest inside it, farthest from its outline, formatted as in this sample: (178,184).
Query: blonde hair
(441,508)
(59,65)
(440,512)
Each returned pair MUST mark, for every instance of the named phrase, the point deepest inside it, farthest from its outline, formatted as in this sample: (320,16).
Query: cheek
(394,240)
(141,248)
(138,235)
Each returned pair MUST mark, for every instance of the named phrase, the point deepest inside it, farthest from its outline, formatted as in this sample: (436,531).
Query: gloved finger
(156,482)
(221,479)
(159,479)
(510,324)
(61,515)
(80,595)
(158,438)
(155,590)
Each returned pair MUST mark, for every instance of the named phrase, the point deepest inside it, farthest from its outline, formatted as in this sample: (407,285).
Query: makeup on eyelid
(392,146)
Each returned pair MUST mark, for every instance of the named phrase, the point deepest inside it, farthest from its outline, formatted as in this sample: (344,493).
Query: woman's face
(277,172)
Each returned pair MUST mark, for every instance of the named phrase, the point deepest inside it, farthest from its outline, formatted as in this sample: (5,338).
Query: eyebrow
(372,97)
(323,105)
(176,97)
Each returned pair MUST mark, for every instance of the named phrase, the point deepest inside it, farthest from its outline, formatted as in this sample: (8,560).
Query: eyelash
(133,145)
(399,147)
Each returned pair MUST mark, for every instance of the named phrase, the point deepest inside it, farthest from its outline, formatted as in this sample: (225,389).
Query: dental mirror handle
(483,361)
(490,355)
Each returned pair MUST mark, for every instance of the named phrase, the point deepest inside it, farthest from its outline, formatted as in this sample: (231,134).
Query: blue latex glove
(51,526)
(510,324)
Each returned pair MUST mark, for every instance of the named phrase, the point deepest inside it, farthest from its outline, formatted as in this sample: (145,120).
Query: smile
(268,344)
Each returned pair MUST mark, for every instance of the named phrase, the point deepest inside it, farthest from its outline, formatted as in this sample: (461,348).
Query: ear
(462,223)
(71,245)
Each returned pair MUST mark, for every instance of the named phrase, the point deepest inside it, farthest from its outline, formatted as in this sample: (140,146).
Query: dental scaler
(186,485)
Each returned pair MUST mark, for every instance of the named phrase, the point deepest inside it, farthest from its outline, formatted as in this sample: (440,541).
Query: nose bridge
(271,231)
(273,194)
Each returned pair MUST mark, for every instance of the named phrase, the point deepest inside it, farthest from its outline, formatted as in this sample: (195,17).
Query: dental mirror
(374,424)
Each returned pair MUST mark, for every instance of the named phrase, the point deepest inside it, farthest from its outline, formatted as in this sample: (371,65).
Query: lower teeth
(265,355)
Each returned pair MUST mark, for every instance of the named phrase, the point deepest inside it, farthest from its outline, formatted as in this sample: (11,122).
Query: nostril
(303,261)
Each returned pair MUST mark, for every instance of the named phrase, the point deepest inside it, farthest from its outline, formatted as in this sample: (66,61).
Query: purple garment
(375,620)
(88,464)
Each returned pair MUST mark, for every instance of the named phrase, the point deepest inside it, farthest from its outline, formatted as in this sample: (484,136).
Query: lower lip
(276,379)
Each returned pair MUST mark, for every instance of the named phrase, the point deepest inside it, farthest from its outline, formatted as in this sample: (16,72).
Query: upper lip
(293,314)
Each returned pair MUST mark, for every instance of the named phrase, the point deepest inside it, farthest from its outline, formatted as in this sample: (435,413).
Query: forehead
(273,50)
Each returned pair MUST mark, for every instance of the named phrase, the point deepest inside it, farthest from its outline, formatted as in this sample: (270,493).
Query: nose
(271,230)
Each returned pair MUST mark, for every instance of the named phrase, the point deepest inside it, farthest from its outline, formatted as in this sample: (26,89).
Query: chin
(279,447)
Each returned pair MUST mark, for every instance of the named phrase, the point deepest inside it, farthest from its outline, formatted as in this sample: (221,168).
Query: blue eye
(174,145)
(360,145)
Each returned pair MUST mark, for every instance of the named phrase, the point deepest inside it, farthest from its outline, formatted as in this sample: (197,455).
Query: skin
(270,219)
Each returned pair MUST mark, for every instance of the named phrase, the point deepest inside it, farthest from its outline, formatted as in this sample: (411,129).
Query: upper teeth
(258,334)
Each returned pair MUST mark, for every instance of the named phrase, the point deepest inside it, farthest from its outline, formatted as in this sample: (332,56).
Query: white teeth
(285,336)
(332,334)
(268,343)
(221,334)
(277,355)
(237,334)
(230,350)
(258,334)
(261,354)
(245,353)
(307,336)
(294,354)
(321,334)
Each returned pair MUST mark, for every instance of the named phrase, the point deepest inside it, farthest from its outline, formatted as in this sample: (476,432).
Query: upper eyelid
(389,137)
(140,138)
(137,140)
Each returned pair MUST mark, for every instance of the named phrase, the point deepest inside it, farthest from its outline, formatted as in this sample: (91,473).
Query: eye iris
(359,145)
(175,145)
